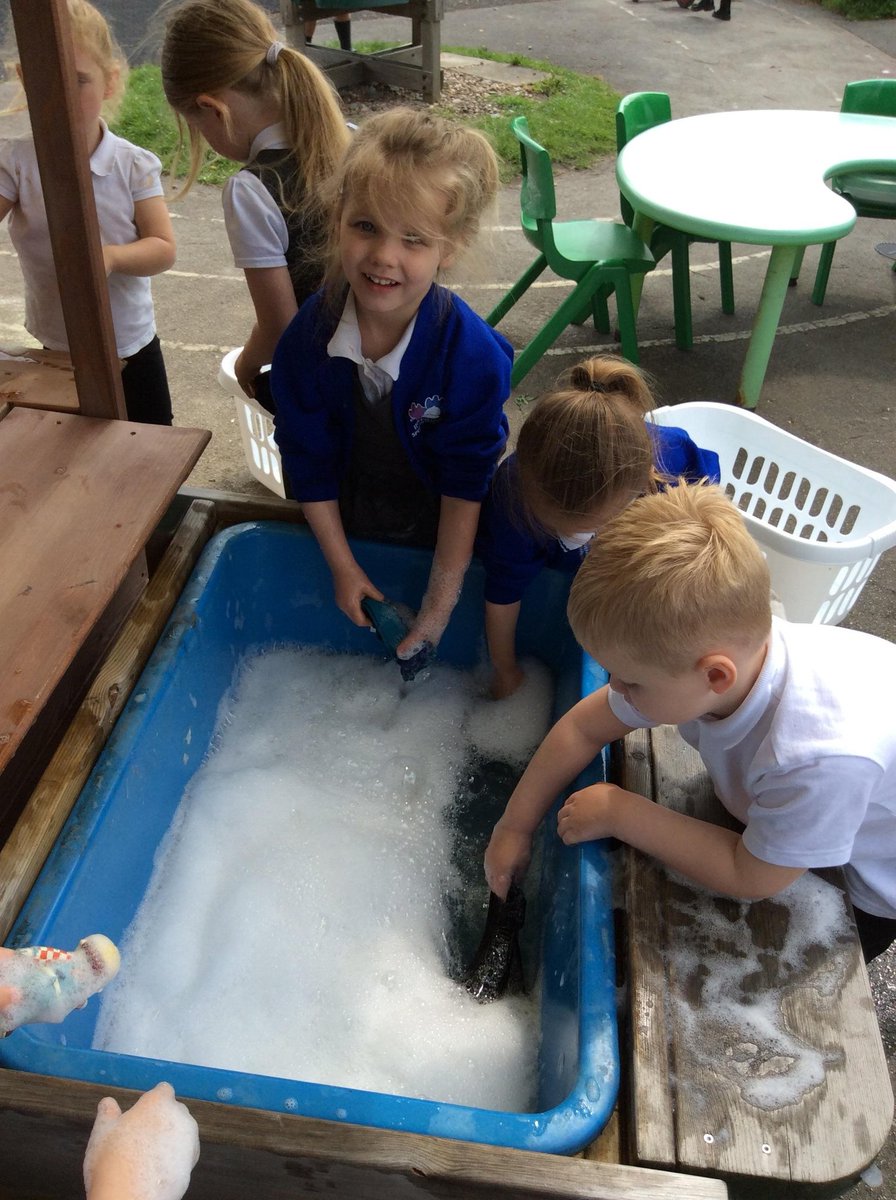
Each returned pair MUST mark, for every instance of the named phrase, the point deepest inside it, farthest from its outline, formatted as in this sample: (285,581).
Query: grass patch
(571,115)
(862,10)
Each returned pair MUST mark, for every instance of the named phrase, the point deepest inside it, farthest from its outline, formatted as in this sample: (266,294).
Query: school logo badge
(429,411)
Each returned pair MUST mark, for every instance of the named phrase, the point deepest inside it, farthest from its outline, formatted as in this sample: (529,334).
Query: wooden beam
(43,36)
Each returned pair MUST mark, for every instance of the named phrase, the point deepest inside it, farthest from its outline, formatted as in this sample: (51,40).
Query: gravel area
(463,94)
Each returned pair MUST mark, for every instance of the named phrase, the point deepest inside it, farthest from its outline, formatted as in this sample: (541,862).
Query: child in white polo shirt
(793,722)
(135,227)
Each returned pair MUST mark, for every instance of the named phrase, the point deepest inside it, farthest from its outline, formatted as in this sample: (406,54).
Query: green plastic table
(756,177)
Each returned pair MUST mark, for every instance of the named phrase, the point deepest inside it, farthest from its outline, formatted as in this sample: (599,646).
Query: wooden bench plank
(78,500)
(280,1156)
(801,1096)
(35,833)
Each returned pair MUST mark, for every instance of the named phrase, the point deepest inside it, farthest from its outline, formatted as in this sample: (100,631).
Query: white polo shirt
(808,761)
(122,174)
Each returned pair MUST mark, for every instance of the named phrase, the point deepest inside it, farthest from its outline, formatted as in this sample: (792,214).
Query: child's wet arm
(153,251)
(458,521)
(710,855)
(572,744)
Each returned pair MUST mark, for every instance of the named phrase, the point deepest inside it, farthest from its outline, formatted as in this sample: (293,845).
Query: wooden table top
(79,498)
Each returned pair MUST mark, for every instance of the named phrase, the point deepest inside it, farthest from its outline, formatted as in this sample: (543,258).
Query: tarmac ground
(830,378)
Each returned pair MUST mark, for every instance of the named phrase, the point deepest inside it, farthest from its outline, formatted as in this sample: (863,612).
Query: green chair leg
(681,294)
(553,327)
(797,266)
(726,278)
(625,314)
(600,310)
(521,286)
(824,271)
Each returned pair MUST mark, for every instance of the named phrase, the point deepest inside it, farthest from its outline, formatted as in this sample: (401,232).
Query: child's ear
(720,672)
(211,104)
(112,83)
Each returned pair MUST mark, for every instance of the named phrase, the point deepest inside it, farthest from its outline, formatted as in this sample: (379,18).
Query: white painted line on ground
(740,335)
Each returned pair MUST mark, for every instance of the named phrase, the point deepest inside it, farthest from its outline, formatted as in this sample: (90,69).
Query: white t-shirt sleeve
(810,816)
(146,175)
(255,225)
(9,183)
(621,708)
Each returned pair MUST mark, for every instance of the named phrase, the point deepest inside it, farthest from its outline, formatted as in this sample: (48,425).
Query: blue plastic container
(266,585)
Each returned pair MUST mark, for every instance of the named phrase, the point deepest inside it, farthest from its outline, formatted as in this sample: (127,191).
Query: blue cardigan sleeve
(676,455)
(313,398)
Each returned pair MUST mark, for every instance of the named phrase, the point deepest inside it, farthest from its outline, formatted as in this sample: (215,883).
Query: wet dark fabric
(279,172)
(876,934)
(381,496)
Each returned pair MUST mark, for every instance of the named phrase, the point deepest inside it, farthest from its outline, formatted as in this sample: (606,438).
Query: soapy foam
(296,923)
(728,1030)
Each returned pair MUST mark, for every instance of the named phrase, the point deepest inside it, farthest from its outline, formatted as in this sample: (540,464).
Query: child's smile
(390,270)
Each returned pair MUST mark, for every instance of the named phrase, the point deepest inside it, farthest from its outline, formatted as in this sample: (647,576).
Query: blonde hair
(407,165)
(586,442)
(92,35)
(212,45)
(675,576)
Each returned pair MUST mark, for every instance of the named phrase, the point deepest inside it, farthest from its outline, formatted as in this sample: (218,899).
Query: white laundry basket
(822,522)
(256,429)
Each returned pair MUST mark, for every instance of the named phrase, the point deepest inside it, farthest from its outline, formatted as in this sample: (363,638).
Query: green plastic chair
(635,113)
(600,256)
(871,195)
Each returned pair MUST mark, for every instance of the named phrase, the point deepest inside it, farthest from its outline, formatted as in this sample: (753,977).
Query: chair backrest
(876,97)
(538,203)
(635,113)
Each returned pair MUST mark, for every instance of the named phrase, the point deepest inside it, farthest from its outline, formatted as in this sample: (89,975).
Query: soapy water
(733,1006)
(302,918)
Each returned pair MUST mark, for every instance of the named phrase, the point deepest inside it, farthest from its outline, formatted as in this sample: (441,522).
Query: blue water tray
(264,585)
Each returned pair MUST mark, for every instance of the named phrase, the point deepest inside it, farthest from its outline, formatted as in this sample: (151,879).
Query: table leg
(765,324)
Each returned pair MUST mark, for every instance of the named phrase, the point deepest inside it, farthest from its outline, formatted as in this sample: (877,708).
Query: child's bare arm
(275,306)
(710,855)
(154,250)
(576,739)
(350,583)
(458,520)
(500,633)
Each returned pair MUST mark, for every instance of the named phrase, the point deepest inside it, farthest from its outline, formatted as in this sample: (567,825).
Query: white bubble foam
(295,922)
(733,1005)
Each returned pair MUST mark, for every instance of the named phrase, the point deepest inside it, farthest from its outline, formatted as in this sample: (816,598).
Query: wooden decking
(755,1049)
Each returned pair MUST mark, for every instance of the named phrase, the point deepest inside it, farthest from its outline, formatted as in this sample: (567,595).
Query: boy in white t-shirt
(793,722)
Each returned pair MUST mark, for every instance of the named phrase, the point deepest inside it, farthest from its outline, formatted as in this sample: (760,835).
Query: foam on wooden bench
(788,1083)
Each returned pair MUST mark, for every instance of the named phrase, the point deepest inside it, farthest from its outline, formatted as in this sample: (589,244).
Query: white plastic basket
(822,522)
(256,429)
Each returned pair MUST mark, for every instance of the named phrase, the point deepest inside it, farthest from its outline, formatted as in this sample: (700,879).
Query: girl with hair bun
(262,103)
(584,452)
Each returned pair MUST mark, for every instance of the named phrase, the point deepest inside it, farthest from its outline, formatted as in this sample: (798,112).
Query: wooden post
(43,35)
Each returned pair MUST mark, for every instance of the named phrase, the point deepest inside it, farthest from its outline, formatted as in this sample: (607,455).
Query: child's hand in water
(506,681)
(435,611)
(146,1153)
(350,586)
(506,857)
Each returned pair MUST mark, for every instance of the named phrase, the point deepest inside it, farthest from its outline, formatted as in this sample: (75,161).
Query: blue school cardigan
(447,403)
(513,553)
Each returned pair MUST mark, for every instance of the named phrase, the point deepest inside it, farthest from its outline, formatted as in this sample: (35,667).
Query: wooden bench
(808,1103)
(79,499)
(414,66)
